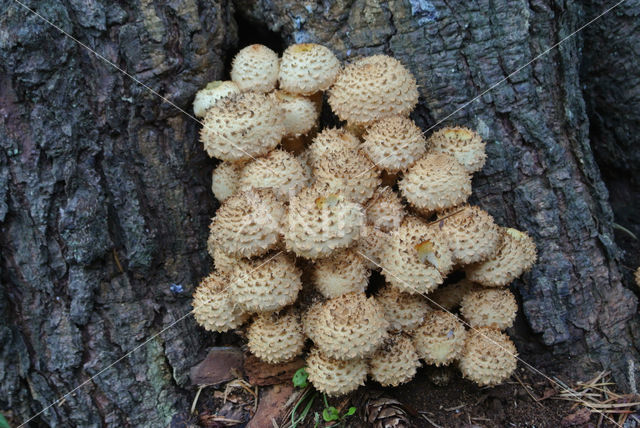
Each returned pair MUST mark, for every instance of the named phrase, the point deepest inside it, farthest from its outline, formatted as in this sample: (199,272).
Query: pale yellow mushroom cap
(372,88)
(335,377)
(241,127)
(450,296)
(279,171)
(394,143)
(213,308)
(276,337)
(395,363)
(489,357)
(417,257)
(346,327)
(370,245)
(300,114)
(224,179)
(248,224)
(265,284)
(223,262)
(436,182)
(471,232)
(440,339)
(462,143)
(331,140)
(516,255)
(307,68)
(255,68)
(320,222)
(211,94)
(347,172)
(404,311)
(343,272)
(495,308)
(385,210)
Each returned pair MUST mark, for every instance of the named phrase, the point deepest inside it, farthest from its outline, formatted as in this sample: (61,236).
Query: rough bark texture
(540,174)
(104,204)
(104,188)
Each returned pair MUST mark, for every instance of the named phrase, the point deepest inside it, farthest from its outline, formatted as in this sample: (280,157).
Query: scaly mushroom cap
(320,221)
(450,296)
(348,172)
(394,143)
(370,245)
(213,308)
(255,68)
(248,223)
(516,255)
(404,311)
(307,68)
(279,171)
(436,182)
(331,140)
(265,285)
(346,327)
(385,210)
(395,363)
(489,357)
(224,179)
(211,94)
(335,377)
(276,338)
(417,257)
(303,158)
(300,114)
(472,234)
(343,272)
(241,127)
(463,144)
(494,308)
(440,339)
(373,88)
(223,262)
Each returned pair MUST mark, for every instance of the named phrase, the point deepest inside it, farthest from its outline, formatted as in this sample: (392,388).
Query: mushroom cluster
(307,214)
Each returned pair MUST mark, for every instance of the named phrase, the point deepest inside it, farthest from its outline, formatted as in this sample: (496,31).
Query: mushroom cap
(346,327)
(450,296)
(462,143)
(307,68)
(267,284)
(395,363)
(440,339)
(213,308)
(248,224)
(242,127)
(279,171)
(331,140)
(348,172)
(344,271)
(370,245)
(372,88)
(211,94)
(487,307)
(472,234)
(276,338)
(300,114)
(489,357)
(303,158)
(335,377)
(417,257)
(320,221)
(516,255)
(255,68)
(436,182)
(223,262)
(385,210)
(394,143)
(404,311)
(224,179)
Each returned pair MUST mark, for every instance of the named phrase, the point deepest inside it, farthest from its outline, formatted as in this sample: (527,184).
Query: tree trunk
(105,200)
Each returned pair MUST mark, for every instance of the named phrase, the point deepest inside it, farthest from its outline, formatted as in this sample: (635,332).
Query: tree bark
(104,204)
(105,200)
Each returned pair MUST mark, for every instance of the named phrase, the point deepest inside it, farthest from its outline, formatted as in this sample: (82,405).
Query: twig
(537,401)
(430,421)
